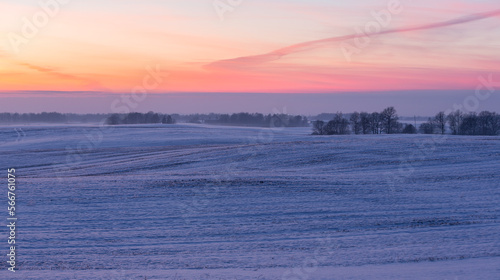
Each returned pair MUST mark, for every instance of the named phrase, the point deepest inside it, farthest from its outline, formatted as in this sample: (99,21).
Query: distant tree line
(242,119)
(257,119)
(387,121)
(31,117)
(363,123)
(50,117)
(484,123)
(140,118)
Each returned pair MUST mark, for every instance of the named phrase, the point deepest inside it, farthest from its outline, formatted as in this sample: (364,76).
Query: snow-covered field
(200,202)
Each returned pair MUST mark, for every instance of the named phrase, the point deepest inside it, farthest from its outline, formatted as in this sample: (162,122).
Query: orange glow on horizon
(78,50)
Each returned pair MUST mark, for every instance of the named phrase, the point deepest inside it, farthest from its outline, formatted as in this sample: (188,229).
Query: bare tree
(389,119)
(455,120)
(365,122)
(440,122)
(375,122)
(355,122)
(343,124)
(469,125)
(318,128)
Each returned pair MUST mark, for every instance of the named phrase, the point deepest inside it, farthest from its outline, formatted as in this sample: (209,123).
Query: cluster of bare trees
(484,123)
(339,125)
(363,123)
(387,121)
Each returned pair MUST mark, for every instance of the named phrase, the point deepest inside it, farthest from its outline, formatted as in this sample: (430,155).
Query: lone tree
(440,122)
(389,119)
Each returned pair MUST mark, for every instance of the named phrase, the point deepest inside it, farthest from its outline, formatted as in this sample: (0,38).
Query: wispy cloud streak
(248,61)
(88,82)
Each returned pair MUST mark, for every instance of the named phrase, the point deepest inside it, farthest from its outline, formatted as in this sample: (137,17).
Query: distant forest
(237,119)
(387,121)
(246,119)
(139,118)
(52,117)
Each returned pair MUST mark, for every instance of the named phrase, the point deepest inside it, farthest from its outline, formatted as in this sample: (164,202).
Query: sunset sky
(75,52)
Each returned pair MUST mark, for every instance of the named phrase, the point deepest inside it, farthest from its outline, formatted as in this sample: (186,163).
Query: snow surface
(208,202)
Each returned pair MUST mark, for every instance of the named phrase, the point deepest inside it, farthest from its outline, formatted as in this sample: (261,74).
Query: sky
(309,56)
